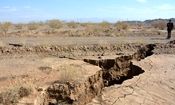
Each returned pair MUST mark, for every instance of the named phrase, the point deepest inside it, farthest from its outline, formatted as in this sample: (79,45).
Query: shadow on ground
(135,71)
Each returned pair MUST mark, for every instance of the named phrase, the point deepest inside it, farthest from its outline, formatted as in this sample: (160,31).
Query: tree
(4,27)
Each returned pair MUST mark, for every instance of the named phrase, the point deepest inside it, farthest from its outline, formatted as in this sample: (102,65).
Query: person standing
(170,27)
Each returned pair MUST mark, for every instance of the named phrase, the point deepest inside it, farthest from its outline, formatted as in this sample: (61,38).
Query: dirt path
(156,86)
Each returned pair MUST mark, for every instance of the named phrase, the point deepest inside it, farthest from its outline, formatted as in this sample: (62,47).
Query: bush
(32,26)
(5,27)
(12,96)
(121,26)
(56,24)
(105,24)
(72,24)
(19,26)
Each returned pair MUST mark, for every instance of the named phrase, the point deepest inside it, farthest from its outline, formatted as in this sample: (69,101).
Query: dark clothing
(169,34)
(170,27)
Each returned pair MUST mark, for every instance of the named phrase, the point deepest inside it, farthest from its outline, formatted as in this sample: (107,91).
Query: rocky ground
(51,71)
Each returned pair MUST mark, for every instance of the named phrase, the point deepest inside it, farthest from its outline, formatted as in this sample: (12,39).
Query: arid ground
(53,70)
(155,86)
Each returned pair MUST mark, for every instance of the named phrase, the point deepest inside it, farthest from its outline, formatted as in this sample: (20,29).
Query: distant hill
(133,22)
(154,20)
(150,21)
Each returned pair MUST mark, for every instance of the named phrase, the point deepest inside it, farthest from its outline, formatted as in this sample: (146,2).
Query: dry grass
(12,96)
(121,26)
(70,72)
(55,24)
(73,24)
(32,26)
(17,88)
(45,69)
(4,27)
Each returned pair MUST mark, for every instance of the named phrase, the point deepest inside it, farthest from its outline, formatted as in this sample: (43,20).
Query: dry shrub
(45,69)
(4,27)
(55,23)
(19,26)
(121,26)
(87,24)
(12,96)
(105,24)
(159,24)
(98,29)
(91,29)
(70,72)
(72,24)
(32,26)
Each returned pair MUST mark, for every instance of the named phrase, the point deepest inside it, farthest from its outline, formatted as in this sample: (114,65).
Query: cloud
(8,9)
(142,1)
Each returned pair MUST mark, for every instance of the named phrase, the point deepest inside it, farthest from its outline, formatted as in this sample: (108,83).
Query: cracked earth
(156,86)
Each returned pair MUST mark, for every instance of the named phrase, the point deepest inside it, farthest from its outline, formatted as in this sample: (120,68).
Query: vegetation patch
(12,96)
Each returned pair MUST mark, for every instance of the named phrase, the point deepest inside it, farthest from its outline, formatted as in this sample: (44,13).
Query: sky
(85,10)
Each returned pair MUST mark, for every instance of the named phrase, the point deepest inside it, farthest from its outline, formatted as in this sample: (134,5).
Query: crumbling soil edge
(113,71)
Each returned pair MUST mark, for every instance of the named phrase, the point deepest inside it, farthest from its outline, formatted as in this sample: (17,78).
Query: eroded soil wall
(112,71)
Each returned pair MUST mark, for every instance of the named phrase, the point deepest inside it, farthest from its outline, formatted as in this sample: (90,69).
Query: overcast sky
(39,10)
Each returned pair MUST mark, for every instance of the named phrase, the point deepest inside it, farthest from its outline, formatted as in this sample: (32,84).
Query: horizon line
(85,20)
